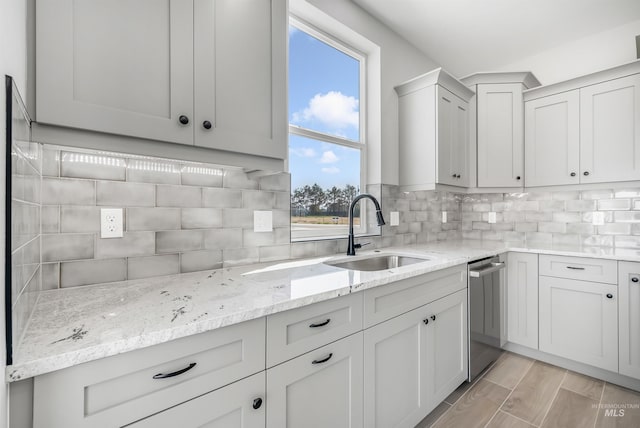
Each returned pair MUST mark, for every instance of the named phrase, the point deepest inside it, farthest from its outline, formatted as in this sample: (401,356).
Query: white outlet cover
(444,216)
(598,218)
(263,221)
(395,218)
(492,217)
(111,223)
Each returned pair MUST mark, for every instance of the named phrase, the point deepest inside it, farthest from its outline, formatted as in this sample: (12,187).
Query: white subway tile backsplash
(79,219)
(227,238)
(240,256)
(221,198)
(614,229)
(173,241)
(178,196)
(145,267)
(67,247)
(66,191)
(200,175)
(627,216)
(112,193)
(50,218)
(201,218)
(152,219)
(90,165)
(614,204)
(92,272)
(232,217)
(131,244)
(194,261)
(235,179)
(278,182)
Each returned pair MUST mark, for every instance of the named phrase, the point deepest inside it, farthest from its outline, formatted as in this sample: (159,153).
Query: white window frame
(337,232)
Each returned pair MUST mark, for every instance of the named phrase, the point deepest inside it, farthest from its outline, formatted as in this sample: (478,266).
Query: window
(327,150)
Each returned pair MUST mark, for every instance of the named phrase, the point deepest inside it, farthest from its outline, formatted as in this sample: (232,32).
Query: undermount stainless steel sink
(377,262)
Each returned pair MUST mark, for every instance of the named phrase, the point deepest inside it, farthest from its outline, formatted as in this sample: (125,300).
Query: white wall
(13,47)
(399,61)
(583,56)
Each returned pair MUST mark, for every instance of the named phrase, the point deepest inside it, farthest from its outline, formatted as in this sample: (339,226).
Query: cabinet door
(522,299)
(240,76)
(322,388)
(629,319)
(116,66)
(500,135)
(609,131)
(453,137)
(402,387)
(447,357)
(239,405)
(552,140)
(579,321)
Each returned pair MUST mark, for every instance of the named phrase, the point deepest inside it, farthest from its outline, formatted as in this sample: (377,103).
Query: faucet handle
(361,245)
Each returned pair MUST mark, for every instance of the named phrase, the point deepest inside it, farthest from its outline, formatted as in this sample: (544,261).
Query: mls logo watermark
(616,410)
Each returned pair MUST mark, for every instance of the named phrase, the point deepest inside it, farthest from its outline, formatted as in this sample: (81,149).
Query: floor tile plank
(476,407)
(571,410)
(505,420)
(432,417)
(583,385)
(508,370)
(615,399)
(532,397)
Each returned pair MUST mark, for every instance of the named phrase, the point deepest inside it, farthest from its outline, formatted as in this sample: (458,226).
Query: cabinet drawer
(382,303)
(121,389)
(297,331)
(594,270)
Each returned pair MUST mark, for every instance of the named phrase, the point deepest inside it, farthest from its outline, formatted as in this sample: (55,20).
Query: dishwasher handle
(486,269)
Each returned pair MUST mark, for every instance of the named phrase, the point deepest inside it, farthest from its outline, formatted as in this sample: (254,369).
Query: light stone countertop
(76,325)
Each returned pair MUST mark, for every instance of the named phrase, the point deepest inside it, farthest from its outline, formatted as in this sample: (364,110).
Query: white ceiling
(467,36)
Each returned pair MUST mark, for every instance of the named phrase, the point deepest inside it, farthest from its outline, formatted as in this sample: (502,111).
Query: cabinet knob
(183,119)
(573,174)
(458,176)
(454,175)
(634,279)
(257,403)
(433,317)
(609,296)
(426,321)
(518,178)
(206,124)
(586,173)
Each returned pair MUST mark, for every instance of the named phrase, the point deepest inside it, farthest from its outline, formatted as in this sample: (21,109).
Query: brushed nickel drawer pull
(575,268)
(320,324)
(176,373)
(324,360)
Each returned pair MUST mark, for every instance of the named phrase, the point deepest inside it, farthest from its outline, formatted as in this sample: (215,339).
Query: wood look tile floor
(518,392)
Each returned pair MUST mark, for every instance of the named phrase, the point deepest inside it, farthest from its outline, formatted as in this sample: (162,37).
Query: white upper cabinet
(610,131)
(498,123)
(116,66)
(584,130)
(552,140)
(433,119)
(205,72)
(453,135)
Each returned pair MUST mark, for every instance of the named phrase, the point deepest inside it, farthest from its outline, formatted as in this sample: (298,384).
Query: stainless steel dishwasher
(486,279)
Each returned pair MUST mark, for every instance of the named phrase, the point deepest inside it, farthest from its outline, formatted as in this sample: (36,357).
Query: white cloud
(331,170)
(329,157)
(333,109)
(303,152)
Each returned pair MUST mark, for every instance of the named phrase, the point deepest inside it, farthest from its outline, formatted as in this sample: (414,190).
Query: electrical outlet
(492,217)
(395,218)
(598,218)
(444,216)
(262,221)
(111,223)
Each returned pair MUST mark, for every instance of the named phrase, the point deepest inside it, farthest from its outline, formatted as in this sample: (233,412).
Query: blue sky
(323,96)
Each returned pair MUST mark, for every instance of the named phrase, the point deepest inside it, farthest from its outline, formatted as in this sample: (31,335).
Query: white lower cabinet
(239,405)
(319,389)
(629,318)
(522,299)
(579,321)
(413,361)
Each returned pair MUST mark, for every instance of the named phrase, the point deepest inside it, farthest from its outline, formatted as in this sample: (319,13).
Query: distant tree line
(314,200)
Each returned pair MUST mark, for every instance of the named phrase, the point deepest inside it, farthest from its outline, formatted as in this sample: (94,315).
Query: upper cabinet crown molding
(525,77)
(624,70)
(436,77)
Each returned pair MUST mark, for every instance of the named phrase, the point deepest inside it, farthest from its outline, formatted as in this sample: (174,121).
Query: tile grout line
(554,396)
(509,395)
(604,385)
